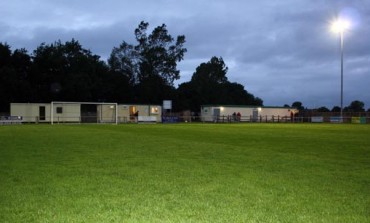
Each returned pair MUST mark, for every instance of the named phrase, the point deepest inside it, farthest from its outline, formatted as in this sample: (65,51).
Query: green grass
(185,173)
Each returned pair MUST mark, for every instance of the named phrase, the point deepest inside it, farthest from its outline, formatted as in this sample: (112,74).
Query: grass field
(185,173)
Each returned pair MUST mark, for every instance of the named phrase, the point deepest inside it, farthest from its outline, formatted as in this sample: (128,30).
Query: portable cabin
(41,112)
(139,113)
(31,112)
(85,112)
(230,113)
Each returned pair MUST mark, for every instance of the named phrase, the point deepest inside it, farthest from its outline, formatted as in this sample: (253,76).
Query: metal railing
(11,120)
(275,119)
(7,120)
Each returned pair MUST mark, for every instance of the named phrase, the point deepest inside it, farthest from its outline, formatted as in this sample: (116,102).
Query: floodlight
(340,25)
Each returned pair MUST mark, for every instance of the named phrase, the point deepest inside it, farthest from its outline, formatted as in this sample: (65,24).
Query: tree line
(143,73)
(354,106)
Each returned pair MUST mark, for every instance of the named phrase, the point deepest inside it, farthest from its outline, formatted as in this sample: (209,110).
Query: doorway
(216,114)
(89,113)
(42,113)
(134,113)
(255,115)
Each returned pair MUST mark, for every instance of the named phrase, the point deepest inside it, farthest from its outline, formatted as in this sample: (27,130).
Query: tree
(323,109)
(154,90)
(14,70)
(68,72)
(113,87)
(355,106)
(335,109)
(158,56)
(214,71)
(237,95)
(124,60)
(209,85)
(5,74)
(298,105)
(153,59)
(5,54)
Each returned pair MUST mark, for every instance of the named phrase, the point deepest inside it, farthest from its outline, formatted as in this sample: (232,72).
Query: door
(255,115)
(134,113)
(216,114)
(42,113)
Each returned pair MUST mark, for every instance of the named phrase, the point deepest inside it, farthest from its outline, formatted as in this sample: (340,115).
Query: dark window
(59,110)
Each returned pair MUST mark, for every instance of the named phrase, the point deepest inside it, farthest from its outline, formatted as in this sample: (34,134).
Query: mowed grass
(185,173)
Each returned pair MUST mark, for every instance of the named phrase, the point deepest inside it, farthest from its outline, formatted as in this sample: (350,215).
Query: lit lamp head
(340,25)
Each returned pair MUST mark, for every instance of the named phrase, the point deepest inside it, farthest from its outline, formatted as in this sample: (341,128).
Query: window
(59,110)
(154,110)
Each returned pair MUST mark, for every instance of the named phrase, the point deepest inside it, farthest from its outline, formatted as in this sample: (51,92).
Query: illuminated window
(154,110)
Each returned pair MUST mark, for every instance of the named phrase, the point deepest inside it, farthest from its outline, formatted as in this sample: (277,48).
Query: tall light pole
(340,26)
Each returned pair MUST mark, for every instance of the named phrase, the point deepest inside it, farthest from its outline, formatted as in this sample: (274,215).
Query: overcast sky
(281,51)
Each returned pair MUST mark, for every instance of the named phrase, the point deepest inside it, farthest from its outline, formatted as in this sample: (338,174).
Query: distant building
(85,112)
(230,113)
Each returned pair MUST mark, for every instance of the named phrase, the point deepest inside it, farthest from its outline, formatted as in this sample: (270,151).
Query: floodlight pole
(341,74)
(340,26)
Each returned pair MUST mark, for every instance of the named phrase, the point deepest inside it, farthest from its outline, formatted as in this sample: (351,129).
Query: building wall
(123,113)
(281,112)
(126,113)
(30,111)
(156,110)
(61,112)
(244,111)
(65,112)
(209,113)
(206,113)
(106,113)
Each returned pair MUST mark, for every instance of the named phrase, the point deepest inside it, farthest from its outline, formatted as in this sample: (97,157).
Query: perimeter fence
(274,119)
(355,118)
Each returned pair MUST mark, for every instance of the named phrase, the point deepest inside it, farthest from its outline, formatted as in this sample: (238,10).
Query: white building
(230,113)
(85,112)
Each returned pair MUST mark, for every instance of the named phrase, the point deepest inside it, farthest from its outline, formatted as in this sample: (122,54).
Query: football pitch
(185,173)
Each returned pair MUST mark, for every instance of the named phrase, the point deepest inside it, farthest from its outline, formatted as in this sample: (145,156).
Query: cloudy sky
(281,51)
